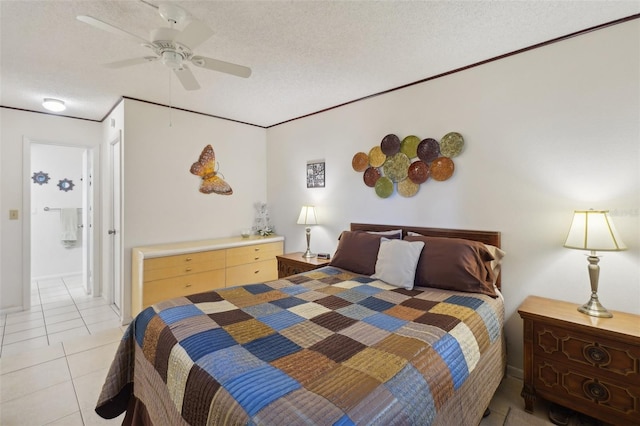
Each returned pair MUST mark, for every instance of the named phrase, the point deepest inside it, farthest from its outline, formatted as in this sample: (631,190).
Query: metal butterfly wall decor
(205,167)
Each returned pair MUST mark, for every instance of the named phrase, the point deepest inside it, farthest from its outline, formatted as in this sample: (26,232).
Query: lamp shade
(593,230)
(307,216)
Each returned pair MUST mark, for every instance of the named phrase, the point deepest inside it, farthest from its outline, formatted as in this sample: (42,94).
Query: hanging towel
(68,227)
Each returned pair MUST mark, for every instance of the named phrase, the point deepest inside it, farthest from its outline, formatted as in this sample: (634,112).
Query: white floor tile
(96,340)
(68,334)
(93,302)
(25,345)
(17,317)
(52,305)
(31,358)
(91,360)
(22,326)
(32,379)
(88,388)
(38,408)
(19,336)
(52,282)
(61,310)
(103,325)
(54,319)
(64,325)
(74,419)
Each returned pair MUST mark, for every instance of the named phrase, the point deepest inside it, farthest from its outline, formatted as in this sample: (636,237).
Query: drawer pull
(256,272)
(188,259)
(256,249)
(596,391)
(256,258)
(187,269)
(597,355)
(187,285)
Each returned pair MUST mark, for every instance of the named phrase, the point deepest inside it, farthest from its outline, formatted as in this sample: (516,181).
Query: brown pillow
(357,252)
(455,264)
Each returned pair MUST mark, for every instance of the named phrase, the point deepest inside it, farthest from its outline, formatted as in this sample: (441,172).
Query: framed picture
(315,174)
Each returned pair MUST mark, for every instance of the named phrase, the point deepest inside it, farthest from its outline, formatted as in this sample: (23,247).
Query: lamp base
(307,254)
(594,308)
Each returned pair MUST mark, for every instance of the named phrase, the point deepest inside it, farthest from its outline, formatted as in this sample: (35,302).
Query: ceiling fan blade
(195,33)
(187,78)
(221,66)
(110,28)
(133,61)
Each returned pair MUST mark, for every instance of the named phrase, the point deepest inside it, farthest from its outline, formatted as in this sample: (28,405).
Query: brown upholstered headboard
(487,237)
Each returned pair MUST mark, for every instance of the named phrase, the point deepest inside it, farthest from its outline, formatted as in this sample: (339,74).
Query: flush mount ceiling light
(54,105)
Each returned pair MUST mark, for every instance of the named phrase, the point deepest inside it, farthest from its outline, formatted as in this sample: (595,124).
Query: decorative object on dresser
(295,263)
(588,364)
(166,271)
(593,230)
(308,217)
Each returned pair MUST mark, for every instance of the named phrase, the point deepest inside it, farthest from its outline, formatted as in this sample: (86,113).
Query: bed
(339,345)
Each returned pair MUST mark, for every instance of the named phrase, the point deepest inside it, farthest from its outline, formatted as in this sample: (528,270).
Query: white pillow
(397,261)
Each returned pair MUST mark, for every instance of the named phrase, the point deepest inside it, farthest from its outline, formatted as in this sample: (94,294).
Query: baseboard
(512,371)
(11,310)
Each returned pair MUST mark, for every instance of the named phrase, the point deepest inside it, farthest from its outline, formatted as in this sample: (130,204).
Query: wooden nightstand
(588,364)
(294,263)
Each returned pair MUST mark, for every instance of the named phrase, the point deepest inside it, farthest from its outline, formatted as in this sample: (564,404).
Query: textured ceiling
(306,56)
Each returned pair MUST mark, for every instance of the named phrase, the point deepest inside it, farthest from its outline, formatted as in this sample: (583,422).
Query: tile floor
(60,310)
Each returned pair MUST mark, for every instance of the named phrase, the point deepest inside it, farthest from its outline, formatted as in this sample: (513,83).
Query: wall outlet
(13,214)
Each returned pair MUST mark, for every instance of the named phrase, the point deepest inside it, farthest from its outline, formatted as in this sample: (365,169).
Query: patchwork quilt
(325,347)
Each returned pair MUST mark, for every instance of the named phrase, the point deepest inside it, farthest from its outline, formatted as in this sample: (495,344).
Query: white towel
(68,226)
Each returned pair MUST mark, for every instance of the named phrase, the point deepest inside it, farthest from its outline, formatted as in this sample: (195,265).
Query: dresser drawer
(251,254)
(159,290)
(257,272)
(616,359)
(593,395)
(216,258)
(176,271)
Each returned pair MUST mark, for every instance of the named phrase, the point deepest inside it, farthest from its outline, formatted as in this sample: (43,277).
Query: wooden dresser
(588,364)
(165,271)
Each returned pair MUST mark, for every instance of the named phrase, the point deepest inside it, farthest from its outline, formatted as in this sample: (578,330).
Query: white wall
(49,257)
(546,132)
(16,125)
(161,198)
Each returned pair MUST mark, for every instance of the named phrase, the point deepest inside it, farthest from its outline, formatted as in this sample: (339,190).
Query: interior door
(87,220)
(115,227)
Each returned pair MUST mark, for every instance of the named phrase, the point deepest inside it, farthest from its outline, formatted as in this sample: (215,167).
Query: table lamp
(308,217)
(593,230)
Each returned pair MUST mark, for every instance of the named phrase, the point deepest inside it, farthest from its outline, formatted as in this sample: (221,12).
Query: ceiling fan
(172,46)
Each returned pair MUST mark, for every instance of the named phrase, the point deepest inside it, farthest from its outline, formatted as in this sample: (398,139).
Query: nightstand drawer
(599,396)
(606,355)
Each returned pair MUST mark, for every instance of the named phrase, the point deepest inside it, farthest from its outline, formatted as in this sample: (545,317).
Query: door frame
(114,253)
(93,153)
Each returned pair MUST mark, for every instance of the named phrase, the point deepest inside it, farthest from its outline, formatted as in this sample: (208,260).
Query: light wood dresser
(588,364)
(165,271)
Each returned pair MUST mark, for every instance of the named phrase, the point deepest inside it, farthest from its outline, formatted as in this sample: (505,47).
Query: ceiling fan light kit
(172,46)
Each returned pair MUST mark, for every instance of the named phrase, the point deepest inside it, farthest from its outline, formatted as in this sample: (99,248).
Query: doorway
(59,217)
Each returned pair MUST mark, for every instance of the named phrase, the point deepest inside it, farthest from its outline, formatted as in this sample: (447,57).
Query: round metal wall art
(40,177)
(406,164)
(66,185)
